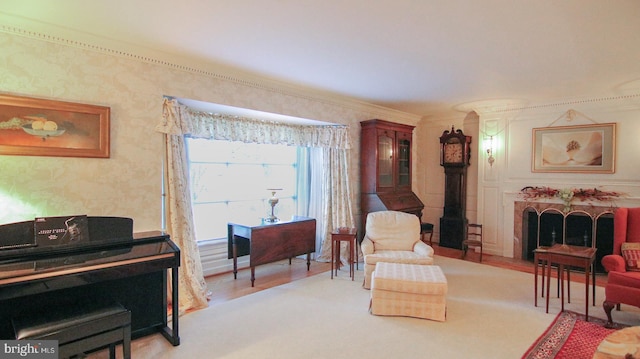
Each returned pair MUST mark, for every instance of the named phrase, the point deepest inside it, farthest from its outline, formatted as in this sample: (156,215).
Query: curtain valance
(180,120)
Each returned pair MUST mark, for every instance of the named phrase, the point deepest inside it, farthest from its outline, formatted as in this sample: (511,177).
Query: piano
(130,268)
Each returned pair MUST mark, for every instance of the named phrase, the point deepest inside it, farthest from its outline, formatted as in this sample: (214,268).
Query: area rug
(571,337)
(318,317)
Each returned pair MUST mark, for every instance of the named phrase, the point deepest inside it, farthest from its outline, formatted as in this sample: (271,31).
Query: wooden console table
(267,242)
(568,255)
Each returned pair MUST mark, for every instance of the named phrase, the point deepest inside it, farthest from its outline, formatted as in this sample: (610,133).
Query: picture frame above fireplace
(574,149)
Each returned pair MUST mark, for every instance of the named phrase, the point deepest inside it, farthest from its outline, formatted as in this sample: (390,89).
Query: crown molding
(624,101)
(66,37)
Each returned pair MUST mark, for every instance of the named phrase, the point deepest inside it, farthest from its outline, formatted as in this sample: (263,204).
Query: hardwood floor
(224,288)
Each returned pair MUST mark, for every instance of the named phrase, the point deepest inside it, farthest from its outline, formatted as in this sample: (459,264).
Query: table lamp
(272,202)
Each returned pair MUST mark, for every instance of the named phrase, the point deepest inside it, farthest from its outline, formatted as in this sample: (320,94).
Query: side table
(337,236)
(540,259)
(564,256)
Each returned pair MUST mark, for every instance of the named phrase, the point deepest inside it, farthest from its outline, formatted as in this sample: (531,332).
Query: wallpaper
(129,183)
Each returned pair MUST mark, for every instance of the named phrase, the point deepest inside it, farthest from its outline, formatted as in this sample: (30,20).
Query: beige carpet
(490,314)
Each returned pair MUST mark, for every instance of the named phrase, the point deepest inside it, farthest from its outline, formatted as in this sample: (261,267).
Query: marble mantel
(514,206)
(594,211)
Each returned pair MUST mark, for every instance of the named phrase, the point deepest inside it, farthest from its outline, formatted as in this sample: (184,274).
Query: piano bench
(79,329)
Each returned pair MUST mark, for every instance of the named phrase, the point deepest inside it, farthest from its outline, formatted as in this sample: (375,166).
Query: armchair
(392,236)
(623,281)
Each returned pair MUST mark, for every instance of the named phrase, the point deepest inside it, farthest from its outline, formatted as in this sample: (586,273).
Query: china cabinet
(385,160)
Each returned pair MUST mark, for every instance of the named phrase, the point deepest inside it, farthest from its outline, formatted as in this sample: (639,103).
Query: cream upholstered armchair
(392,236)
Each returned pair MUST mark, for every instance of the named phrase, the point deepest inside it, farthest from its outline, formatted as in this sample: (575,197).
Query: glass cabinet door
(385,161)
(404,159)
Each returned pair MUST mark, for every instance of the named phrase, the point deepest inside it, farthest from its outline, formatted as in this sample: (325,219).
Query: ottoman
(410,290)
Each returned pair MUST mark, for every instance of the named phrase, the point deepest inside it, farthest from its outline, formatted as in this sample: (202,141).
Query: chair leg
(464,250)
(480,254)
(608,306)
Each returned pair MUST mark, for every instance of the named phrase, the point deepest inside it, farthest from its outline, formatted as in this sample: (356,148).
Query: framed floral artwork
(583,148)
(39,127)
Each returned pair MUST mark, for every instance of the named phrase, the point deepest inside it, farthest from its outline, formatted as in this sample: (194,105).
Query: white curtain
(192,288)
(331,210)
(334,208)
(317,199)
(199,124)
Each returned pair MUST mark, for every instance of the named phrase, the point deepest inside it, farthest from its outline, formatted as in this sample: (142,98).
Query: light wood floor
(224,288)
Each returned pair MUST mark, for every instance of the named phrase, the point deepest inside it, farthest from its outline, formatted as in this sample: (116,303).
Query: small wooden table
(540,258)
(337,236)
(568,255)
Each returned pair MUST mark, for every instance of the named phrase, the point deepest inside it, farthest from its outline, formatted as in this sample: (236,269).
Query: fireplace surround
(545,223)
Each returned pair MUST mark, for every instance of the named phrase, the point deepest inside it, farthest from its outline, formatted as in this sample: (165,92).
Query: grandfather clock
(455,153)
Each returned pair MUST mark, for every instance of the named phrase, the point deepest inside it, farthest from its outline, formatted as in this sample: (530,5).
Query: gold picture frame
(574,149)
(40,127)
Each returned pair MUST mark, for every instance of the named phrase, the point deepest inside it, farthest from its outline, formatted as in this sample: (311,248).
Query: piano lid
(45,266)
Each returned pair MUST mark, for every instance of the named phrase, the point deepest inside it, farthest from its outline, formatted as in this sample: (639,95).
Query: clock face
(453,152)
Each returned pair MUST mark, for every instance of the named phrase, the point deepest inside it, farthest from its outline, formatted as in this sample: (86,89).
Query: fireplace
(544,224)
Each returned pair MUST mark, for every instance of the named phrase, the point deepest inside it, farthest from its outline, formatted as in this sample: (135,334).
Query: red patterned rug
(571,337)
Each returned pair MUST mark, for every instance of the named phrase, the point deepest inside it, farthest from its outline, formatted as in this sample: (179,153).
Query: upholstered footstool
(410,290)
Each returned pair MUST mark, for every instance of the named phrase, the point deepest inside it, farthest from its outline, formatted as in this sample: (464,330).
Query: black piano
(115,263)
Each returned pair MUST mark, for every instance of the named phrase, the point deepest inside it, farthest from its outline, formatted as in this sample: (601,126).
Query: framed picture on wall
(39,127)
(583,148)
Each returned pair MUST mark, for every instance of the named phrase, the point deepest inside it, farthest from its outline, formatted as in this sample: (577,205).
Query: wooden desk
(270,242)
(337,236)
(566,255)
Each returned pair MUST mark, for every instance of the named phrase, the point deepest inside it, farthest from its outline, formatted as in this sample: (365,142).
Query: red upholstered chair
(623,284)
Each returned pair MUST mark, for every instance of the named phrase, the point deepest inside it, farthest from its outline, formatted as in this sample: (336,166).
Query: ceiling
(423,57)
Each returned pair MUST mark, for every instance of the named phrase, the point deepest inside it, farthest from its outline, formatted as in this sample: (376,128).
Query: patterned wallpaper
(129,183)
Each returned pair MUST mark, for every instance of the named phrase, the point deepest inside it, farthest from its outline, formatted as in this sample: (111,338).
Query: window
(229,182)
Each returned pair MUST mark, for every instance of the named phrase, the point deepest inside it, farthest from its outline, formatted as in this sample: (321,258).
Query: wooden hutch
(385,172)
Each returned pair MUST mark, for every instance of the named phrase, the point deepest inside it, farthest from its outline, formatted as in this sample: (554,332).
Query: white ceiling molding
(441,54)
(233,76)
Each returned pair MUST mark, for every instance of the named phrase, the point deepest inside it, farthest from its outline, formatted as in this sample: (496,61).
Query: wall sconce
(488,146)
